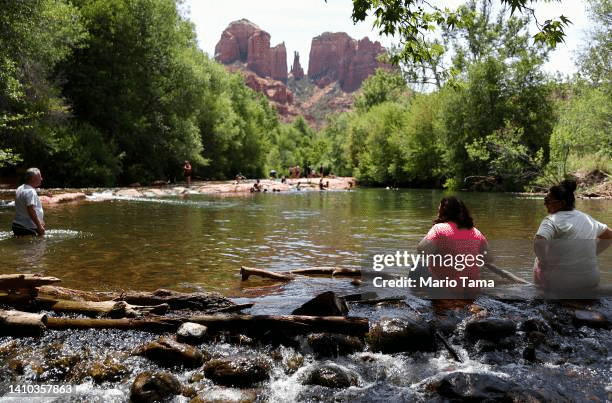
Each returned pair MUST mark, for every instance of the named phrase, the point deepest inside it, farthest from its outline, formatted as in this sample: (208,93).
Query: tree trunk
(250,324)
(17,323)
(246,272)
(20,281)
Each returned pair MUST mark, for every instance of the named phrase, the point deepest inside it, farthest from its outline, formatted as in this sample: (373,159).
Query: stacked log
(157,311)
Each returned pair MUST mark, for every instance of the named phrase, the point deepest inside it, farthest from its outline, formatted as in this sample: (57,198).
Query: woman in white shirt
(567,243)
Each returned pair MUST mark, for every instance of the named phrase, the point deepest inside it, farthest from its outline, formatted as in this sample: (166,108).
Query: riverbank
(411,350)
(223,188)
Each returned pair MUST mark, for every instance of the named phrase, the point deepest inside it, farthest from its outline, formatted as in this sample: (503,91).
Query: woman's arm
(604,240)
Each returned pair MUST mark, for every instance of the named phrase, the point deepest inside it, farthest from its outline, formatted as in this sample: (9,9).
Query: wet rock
(332,345)
(154,386)
(191,333)
(534,325)
(225,395)
(17,367)
(238,371)
(394,335)
(290,359)
(166,351)
(331,375)
(529,353)
(108,370)
(518,394)
(325,304)
(472,386)
(489,329)
(591,319)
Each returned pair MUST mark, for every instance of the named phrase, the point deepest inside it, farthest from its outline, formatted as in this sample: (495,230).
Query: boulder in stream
(394,335)
(167,351)
(332,345)
(331,375)
(492,329)
(154,386)
(238,370)
(191,333)
(324,304)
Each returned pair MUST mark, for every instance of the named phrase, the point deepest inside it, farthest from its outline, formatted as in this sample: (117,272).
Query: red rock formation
(234,41)
(297,71)
(274,90)
(278,60)
(244,41)
(337,57)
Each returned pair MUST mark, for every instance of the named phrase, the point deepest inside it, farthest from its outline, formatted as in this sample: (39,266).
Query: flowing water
(199,243)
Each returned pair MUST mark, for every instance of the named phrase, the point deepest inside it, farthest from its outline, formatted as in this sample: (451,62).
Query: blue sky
(297,22)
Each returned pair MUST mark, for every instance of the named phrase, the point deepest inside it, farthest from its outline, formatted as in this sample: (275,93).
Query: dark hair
(565,192)
(453,209)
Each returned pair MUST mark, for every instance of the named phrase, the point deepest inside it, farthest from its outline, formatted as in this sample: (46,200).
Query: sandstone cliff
(338,57)
(246,42)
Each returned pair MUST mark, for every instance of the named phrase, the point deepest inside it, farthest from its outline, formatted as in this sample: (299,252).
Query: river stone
(154,386)
(332,345)
(592,319)
(107,371)
(166,351)
(191,333)
(331,375)
(225,395)
(394,335)
(472,386)
(325,304)
(238,370)
(492,329)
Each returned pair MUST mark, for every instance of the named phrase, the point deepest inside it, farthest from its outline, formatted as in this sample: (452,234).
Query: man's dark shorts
(18,230)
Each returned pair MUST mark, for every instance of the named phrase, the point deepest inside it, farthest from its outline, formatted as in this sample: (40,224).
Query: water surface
(200,242)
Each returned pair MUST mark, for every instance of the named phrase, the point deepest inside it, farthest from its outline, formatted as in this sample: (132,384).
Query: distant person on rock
(29,217)
(567,243)
(187,172)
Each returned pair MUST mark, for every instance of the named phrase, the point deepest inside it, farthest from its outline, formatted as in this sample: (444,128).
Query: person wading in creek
(567,243)
(28,209)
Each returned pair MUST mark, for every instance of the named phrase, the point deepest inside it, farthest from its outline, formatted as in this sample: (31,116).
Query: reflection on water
(200,242)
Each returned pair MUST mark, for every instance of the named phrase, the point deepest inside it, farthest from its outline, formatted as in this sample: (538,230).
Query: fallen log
(250,324)
(246,272)
(50,292)
(21,281)
(17,323)
(328,271)
(205,301)
(113,309)
(149,324)
(298,324)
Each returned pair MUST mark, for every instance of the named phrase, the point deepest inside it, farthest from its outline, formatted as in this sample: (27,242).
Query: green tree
(412,20)
(500,108)
(596,60)
(35,35)
(136,82)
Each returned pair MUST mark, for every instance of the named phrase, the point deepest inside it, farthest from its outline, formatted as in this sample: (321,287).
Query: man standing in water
(28,210)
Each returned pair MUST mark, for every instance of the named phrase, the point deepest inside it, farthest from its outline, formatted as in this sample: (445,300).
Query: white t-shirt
(26,196)
(571,254)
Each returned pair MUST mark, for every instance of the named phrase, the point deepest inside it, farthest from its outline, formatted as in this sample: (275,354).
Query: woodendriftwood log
(114,309)
(246,272)
(298,324)
(21,281)
(17,323)
(251,324)
(204,301)
(149,324)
